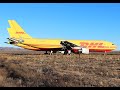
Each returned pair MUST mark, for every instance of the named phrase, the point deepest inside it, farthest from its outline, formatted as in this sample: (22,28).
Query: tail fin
(12,34)
(16,31)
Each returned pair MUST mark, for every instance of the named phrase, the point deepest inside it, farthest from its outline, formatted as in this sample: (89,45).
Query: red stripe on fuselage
(100,50)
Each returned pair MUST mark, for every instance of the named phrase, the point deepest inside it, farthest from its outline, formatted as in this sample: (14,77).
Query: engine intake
(85,50)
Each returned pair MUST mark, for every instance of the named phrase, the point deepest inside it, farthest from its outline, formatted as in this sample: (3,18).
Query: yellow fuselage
(41,44)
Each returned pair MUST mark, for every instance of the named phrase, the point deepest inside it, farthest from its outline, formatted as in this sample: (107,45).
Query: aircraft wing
(68,45)
(75,48)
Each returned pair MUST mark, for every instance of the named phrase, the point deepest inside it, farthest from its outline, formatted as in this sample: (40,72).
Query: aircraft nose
(114,46)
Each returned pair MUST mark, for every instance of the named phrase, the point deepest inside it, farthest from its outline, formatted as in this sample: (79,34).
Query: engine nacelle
(80,50)
(85,50)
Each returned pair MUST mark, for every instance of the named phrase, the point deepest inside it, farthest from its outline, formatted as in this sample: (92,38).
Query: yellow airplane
(19,37)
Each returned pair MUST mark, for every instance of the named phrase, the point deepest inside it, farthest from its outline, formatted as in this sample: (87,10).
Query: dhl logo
(92,45)
(20,33)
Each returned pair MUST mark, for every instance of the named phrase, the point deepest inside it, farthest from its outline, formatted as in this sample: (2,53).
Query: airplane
(20,38)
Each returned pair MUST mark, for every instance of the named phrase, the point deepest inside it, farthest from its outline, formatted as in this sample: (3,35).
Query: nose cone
(114,47)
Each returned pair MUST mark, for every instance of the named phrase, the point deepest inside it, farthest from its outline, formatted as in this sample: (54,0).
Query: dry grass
(24,69)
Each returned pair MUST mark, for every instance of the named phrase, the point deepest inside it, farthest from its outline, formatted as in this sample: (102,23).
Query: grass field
(33,69)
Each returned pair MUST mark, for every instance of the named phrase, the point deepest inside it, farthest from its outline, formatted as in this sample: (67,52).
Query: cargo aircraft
(20,38)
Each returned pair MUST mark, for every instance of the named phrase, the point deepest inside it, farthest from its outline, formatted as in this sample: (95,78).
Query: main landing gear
(46,52)
(50,52)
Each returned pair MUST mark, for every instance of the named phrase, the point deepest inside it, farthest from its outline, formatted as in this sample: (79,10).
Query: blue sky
(86,21)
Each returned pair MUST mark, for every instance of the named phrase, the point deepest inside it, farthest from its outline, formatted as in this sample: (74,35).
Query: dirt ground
(33,69)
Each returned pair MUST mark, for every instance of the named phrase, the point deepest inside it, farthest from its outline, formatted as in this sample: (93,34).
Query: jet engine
(80,50)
